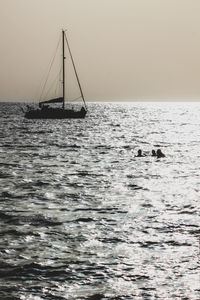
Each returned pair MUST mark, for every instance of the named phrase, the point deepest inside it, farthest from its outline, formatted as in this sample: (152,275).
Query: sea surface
(82,218)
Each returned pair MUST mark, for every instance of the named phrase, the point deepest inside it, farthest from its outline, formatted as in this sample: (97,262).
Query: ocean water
(82,218)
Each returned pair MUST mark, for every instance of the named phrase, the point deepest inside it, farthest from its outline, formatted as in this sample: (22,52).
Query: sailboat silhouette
(48,112)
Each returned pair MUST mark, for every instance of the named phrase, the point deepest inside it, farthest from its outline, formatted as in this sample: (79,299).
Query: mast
(63,62)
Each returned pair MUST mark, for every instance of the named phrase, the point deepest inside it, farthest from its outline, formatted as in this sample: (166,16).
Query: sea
(82,217)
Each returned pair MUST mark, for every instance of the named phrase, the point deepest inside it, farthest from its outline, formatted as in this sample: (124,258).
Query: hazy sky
(123,49)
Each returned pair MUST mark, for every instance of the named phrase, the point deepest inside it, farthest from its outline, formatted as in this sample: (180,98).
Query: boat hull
(55,114)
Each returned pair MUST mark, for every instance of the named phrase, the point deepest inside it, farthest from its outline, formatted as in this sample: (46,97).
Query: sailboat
(49,112)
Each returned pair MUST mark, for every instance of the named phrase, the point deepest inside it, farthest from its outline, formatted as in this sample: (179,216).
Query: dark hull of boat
(55,114)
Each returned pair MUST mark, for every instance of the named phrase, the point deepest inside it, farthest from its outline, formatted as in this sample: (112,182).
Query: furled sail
(55,100)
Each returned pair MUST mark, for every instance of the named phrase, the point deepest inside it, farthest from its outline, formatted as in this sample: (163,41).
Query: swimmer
(153,153)
(160,154)
(140,153)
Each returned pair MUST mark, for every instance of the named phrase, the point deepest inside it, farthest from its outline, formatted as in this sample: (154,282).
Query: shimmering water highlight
(83,218)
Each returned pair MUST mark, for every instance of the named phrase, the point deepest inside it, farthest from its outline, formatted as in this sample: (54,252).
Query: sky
(124,50)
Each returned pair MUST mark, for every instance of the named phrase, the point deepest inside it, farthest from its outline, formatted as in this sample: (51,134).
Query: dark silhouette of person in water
(160,154)
(153,153)
(140,153)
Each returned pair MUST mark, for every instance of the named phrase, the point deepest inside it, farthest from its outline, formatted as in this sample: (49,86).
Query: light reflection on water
(81,216)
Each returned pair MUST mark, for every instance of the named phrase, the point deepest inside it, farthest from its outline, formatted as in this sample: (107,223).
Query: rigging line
(75,71)
(50,68)
(52,82)
(58,85)
(56,89)
(59,81)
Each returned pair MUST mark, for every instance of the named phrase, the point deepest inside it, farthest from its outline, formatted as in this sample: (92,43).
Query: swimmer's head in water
(153,152)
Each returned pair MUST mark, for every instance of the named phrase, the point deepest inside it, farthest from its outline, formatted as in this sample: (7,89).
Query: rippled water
(83,218)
